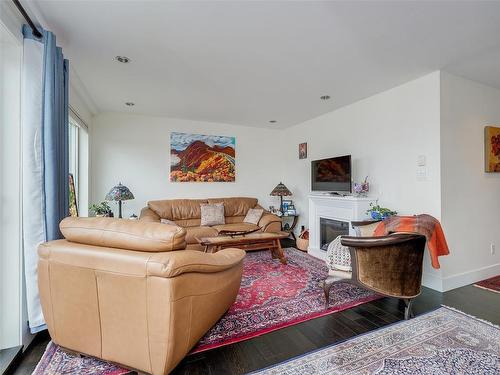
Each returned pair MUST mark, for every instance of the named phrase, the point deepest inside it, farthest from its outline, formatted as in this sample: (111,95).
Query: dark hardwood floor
(292,341)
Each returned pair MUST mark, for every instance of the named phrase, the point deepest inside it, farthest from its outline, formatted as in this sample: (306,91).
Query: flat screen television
(332,174)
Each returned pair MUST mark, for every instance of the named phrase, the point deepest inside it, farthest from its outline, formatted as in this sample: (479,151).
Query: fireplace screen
(331,229)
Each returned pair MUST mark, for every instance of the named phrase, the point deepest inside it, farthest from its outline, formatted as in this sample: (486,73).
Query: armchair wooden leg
(408,310)
(327,285)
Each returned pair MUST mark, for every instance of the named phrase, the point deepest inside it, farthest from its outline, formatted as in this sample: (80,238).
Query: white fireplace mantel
(333,207)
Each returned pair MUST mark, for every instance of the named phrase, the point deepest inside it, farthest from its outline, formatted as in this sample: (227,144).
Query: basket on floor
(302,244)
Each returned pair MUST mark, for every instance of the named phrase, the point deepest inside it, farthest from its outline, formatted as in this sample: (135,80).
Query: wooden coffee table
(248,242)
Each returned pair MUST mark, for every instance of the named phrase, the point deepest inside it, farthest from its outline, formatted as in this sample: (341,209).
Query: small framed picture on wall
(492,148)
(303,150)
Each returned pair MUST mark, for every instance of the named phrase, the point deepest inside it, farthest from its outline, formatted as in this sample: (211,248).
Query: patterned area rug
(492,284)
(274,296)
(444,341)
(56,361)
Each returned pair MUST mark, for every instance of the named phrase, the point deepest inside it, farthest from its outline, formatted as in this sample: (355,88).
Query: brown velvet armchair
(389,265)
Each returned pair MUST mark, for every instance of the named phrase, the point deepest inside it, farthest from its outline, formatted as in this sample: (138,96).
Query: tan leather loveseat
(187,214)
(126,292)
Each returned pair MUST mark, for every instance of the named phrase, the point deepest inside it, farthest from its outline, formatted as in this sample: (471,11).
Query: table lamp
(119,193)
(281,191)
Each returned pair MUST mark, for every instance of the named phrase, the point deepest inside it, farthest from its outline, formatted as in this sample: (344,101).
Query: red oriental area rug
(274,296)
(492,284)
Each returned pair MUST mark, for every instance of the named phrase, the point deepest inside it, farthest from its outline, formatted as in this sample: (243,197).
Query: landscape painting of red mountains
(202,158)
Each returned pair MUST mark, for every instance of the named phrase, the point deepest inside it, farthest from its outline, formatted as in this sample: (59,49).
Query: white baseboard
(470,277)
(432,281)
(317,253)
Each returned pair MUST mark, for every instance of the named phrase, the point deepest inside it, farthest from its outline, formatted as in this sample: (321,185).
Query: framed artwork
(286,204)
(303,150)
(202,158)
(492,148)
(73,207)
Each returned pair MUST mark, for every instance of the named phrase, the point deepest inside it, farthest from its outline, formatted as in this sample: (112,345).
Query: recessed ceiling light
(324,97)
(129,104)
(122,59)
(272,121)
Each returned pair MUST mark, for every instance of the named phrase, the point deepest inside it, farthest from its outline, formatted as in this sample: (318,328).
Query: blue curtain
(55,136)
(45,154)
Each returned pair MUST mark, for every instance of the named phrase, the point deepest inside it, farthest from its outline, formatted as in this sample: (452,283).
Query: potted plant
(378,212)
(101,209)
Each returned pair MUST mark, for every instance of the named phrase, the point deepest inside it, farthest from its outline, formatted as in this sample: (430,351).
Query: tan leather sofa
(128,293)
(187,214)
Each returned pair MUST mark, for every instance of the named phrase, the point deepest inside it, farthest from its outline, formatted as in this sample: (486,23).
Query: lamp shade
(281,191)
(119,193)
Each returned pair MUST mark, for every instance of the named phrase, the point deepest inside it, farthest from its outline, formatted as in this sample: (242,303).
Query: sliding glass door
(11,300)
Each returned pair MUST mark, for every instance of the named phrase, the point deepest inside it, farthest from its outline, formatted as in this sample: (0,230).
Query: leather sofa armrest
(382,241)
(365,228)
(267,220)
(364,222)
(176,263)
(147,214)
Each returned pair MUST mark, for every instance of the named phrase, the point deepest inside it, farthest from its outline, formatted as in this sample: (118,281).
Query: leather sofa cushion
(123,234)
(178,209)
(161,264)
(236,226)
(193,232)
(185,223)
(235,206)
(234,219)
(189,209)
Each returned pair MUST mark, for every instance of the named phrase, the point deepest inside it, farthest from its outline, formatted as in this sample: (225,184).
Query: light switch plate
(421,173)
(421,161)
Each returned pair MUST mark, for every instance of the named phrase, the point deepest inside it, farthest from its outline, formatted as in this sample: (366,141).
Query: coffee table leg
(211,249)
(279,251)
(273,254)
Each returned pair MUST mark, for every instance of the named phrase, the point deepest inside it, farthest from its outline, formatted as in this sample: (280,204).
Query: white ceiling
(250,62)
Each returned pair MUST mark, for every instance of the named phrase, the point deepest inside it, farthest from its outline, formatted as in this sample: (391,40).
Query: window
(78,163)
(73,167)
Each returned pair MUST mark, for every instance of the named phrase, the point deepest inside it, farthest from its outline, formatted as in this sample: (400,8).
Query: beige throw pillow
(253,215)
(212,214)
(169,222)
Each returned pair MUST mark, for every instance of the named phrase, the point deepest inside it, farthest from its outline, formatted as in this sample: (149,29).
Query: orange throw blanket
(422,224)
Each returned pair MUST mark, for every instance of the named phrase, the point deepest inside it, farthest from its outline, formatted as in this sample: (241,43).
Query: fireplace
(330,229)
(331,216)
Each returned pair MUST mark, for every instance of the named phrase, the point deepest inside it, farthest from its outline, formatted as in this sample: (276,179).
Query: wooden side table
(292,226)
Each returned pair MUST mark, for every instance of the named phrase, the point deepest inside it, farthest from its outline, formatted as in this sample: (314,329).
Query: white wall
(135,150)
(470,197)
(439,116)
(384,134)
(11,19)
